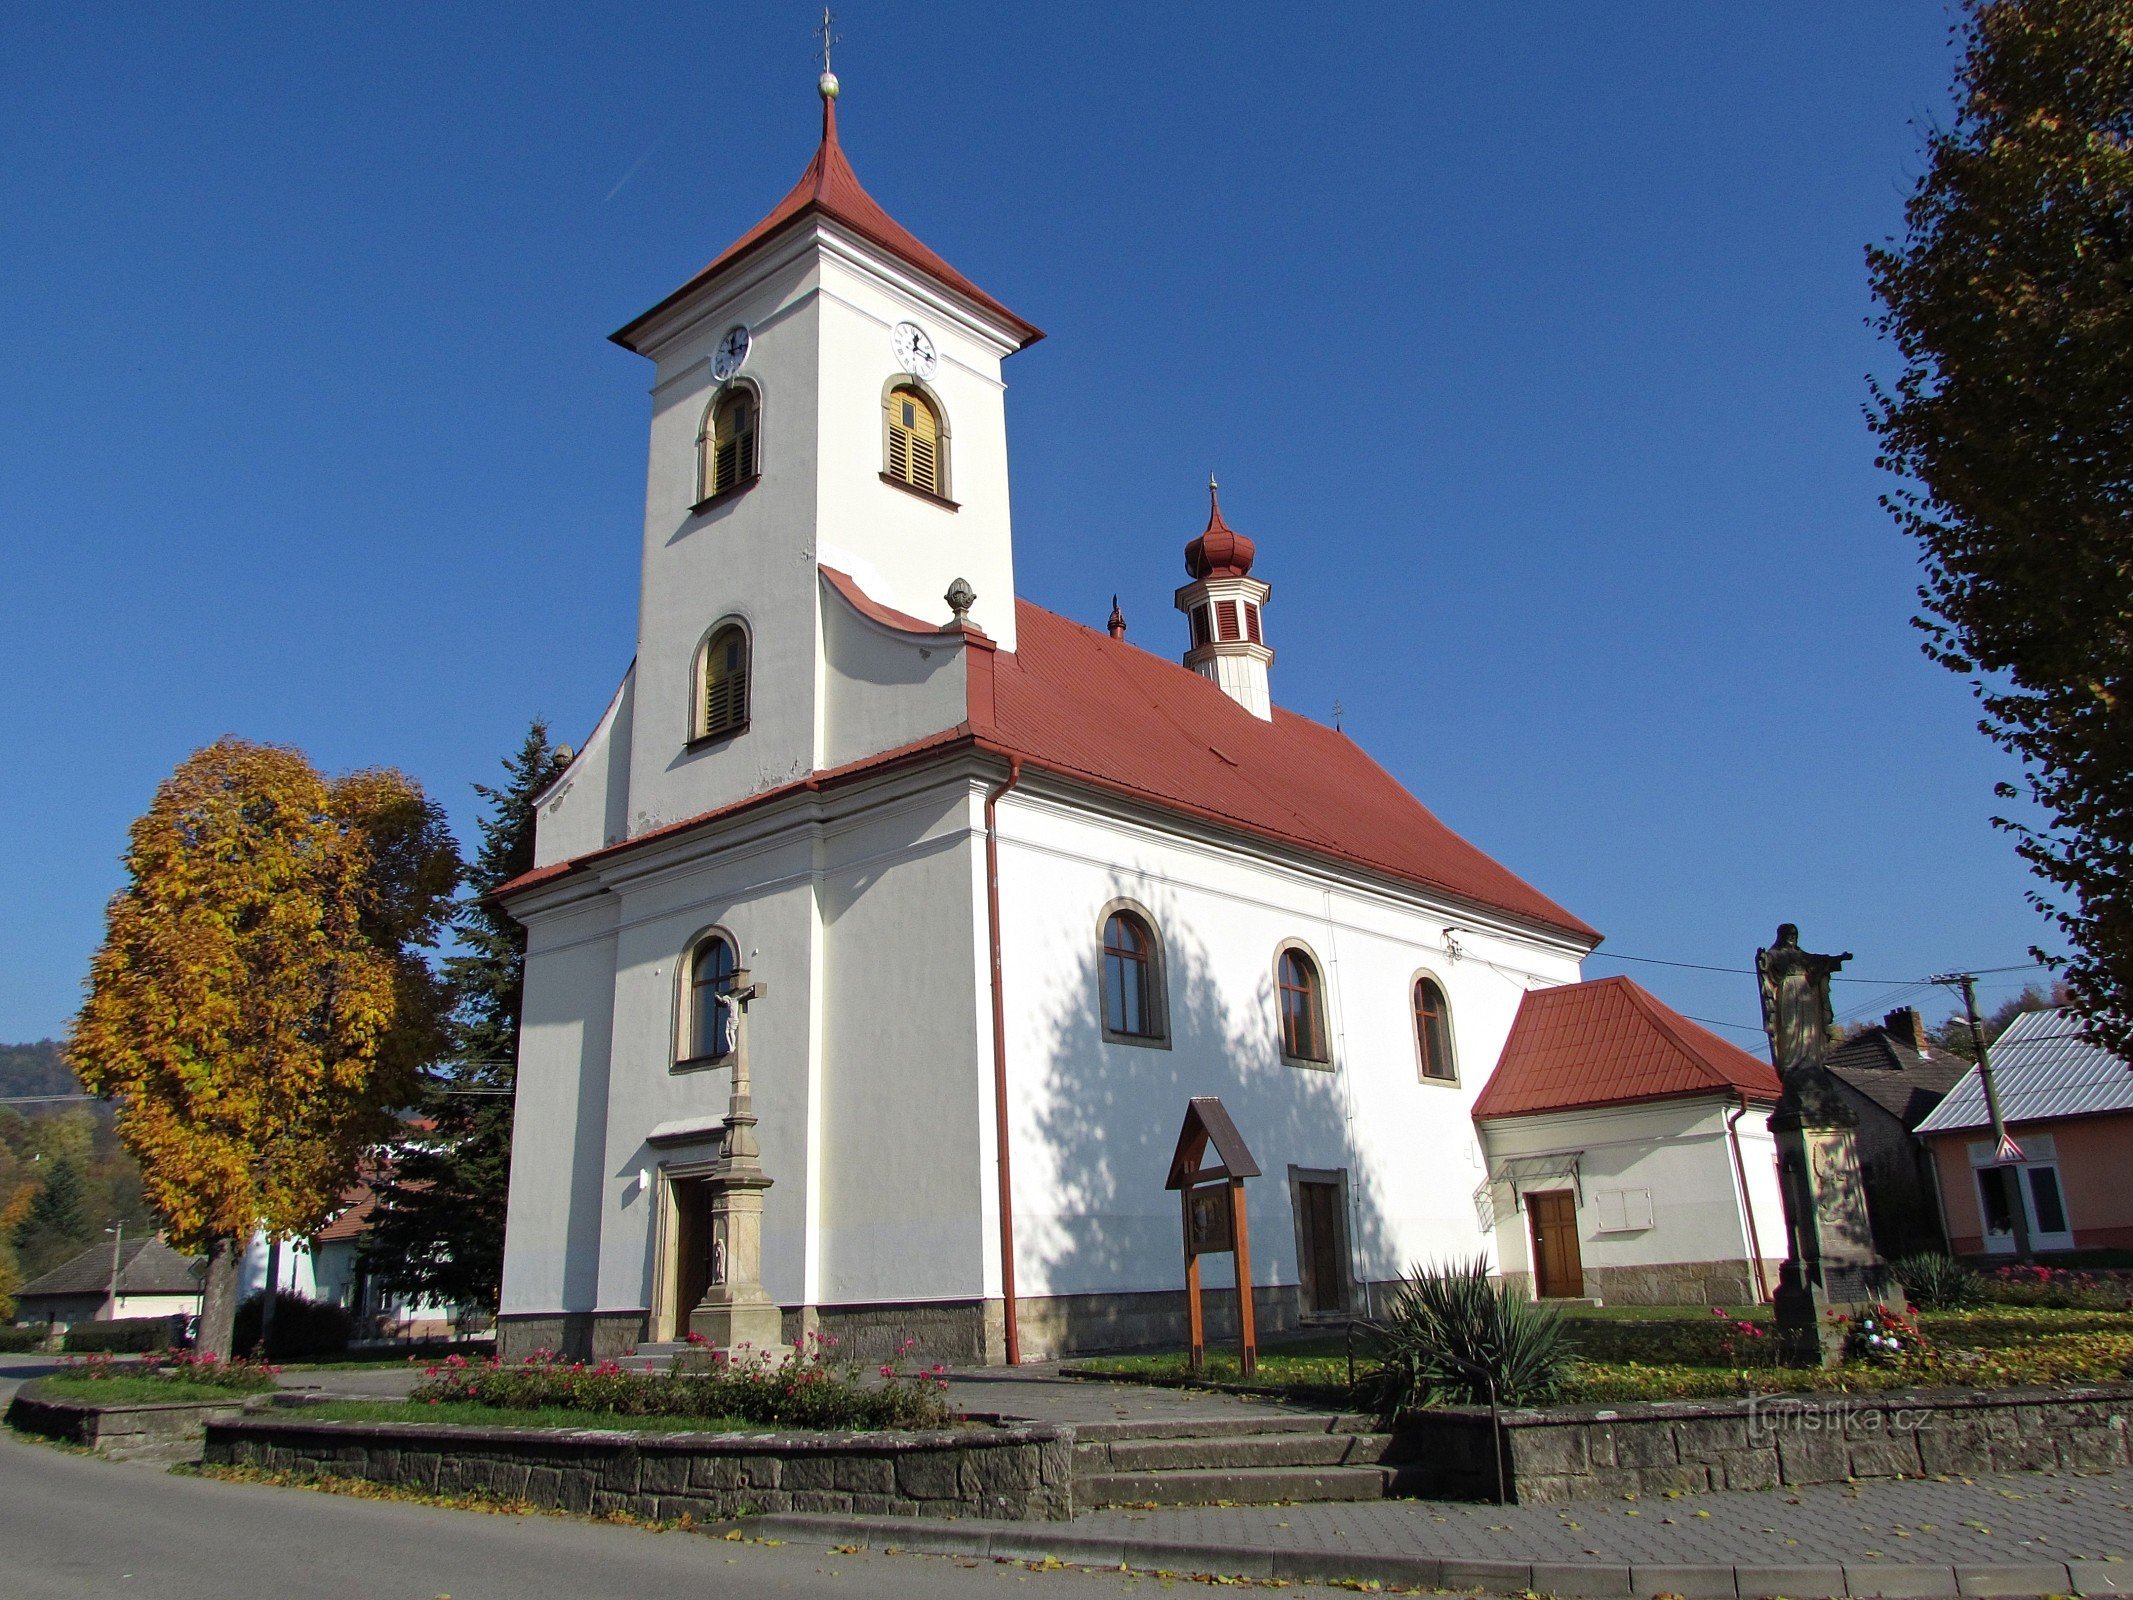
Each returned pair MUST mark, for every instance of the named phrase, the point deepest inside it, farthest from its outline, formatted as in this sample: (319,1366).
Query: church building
(1013,888)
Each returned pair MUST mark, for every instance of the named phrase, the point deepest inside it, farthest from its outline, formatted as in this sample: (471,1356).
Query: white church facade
(1014,888)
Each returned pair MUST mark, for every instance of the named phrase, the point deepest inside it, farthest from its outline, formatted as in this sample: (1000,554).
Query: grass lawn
(132,1389)
(478,1416)
(1674,1352)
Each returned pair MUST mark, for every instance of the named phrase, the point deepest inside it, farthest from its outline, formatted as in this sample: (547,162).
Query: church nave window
(1132,980)
(729,441)
(722,684)
(702,1027)
(1303,1009)
(1433,1033)
(918,444)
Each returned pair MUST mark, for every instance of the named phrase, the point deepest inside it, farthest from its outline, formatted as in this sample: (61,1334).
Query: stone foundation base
(1672,1283)
(581,1335)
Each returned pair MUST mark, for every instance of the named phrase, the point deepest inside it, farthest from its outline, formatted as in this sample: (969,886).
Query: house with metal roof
(2068,1108)
(1629,1155)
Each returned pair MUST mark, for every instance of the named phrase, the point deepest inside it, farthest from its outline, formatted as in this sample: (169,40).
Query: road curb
(1571,1580)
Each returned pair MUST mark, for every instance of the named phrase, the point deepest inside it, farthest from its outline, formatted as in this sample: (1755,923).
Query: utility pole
(2004,1149)
(118,1245)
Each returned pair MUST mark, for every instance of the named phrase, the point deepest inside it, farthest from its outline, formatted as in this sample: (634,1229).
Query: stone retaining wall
(1013,1472)
(147,1429)
(1762,1442)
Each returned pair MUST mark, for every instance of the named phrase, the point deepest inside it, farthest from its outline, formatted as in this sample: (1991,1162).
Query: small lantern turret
(1222,607)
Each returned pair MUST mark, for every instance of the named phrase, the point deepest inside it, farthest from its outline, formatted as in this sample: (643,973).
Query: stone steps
(652,1357)
(1252,1486)
(1247,1460)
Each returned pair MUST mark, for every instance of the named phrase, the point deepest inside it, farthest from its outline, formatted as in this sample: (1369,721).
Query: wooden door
(1324,1267)
(692,1249)
(1558,1271)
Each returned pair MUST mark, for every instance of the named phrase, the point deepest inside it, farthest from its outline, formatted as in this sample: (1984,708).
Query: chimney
(1906,1027)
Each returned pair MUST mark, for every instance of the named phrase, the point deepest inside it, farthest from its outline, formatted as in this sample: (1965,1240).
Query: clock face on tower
(731,352)
(914,351)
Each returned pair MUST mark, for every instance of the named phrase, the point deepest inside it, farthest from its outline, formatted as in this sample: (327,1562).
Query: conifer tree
(439,1228)
(261,1005)
(57,1225)
(2010,301)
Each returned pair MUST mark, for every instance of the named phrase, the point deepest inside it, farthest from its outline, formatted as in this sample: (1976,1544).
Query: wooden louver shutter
(1226,619)
(725,684)
(732,444)
(914,441)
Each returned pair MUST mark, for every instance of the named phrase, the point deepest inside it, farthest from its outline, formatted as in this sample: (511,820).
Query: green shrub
(1452,1334)
(303,1329)
(21,1338)
(2057,1288)
(126,1335)
(1939,1283)
(804,1387)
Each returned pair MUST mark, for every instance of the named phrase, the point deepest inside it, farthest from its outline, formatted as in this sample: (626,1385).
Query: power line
(1750,972)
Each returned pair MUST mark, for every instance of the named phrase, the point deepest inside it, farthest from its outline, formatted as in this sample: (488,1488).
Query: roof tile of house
(1611,1042)
(1904,1081)
(147,1266)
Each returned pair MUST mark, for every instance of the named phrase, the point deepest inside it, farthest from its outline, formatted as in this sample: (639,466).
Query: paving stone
(2101,1577)
(1789,1583)
(1595,1579)
(1875,1582)
(1712,1582)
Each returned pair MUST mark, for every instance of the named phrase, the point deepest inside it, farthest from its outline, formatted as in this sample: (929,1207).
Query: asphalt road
(73,1525)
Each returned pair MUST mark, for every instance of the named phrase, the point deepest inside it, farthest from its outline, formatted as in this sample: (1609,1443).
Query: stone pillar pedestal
(735,1311)
(1831,1268)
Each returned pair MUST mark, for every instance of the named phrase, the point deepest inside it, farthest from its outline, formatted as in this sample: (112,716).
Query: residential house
(1891,1076)
(151,1280)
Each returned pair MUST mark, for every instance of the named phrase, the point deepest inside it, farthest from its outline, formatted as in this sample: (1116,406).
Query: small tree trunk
(218,1299)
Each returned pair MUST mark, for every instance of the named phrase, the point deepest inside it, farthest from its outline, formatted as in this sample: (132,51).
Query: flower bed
(808,1386)
(178,1375)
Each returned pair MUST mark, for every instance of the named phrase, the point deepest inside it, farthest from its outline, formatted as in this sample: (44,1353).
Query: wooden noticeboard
(1211,1199)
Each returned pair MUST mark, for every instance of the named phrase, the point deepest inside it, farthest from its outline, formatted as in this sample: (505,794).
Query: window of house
(722,684)
(2031,1184)
(1433,1032)
(729,441)
(1303,1011)
(1133,984)
(916,446)
(703,1023)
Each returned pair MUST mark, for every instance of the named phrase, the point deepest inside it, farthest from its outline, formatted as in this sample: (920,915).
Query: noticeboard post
(1211,1199)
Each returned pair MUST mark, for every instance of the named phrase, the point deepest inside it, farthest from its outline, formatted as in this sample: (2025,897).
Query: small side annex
(1629,1154)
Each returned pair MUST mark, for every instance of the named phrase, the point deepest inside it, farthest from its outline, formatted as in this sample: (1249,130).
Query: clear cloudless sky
(1530,343)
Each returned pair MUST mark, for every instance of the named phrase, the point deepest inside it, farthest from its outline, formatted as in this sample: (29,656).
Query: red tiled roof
(1107,714)
(1611,1042)
(830,188)
(354,1219)
(1084,705)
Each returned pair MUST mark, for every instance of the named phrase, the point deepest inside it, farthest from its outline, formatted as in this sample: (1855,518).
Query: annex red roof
(1101,712)
(830,188)
(1612,1042)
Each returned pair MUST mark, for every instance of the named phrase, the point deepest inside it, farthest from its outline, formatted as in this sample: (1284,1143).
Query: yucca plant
(1939,1283)
(1451,1335)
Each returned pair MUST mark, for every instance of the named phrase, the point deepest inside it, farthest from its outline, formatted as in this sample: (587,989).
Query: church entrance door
(690,1269)
(1318,1232)
(1558,1270)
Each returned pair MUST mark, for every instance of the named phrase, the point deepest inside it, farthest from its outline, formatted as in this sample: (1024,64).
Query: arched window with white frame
(720,706)
(1433,1032)
(1300,994)
(915,448)
(728,440)
(1134,1003)
(707,973)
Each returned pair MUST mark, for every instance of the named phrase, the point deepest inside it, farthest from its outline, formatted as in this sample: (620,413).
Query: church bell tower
(1222,609)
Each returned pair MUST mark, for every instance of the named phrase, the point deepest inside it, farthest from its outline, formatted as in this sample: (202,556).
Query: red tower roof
(829,188)
(1221,551)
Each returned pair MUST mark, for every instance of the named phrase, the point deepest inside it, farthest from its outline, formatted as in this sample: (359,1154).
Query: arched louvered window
(1133,979)
(729,441)
(917,444)
(703,1025)
(1433,1032)
(1303,1008)
(722,683)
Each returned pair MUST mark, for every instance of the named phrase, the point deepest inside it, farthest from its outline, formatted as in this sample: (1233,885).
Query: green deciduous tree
(439,1228)
(261,1004)
(2010,300)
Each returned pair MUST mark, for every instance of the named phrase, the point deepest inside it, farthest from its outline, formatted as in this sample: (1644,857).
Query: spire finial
(826,85)
(1117,624)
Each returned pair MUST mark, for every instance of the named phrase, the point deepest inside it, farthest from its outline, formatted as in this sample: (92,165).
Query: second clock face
(914,351)
(731,352)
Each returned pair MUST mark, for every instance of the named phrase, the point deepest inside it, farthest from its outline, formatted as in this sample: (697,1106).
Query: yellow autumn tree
(260,1005)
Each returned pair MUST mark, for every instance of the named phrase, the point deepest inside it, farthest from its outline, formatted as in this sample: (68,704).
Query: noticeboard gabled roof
(1207,1122)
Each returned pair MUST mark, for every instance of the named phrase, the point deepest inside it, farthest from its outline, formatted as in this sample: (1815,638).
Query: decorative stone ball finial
(961,597)
(826,85)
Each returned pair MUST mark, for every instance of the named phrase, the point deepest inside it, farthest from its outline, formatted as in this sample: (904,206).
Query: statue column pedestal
(1831,1268)
(735,1311)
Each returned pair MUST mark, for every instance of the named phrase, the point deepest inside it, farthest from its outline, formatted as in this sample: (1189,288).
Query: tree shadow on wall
(1099,1239)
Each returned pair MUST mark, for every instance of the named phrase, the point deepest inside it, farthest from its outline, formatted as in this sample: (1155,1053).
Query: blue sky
(1529,342)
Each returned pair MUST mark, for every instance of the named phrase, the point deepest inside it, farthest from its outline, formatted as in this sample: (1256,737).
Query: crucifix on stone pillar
(735,1311)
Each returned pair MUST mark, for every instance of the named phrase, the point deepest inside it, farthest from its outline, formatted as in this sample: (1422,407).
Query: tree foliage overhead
(439,1229)
(260,1003)
(2011,303)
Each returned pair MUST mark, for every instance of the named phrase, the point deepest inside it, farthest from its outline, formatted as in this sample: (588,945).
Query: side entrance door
(1558,1272)
(1325,1274)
